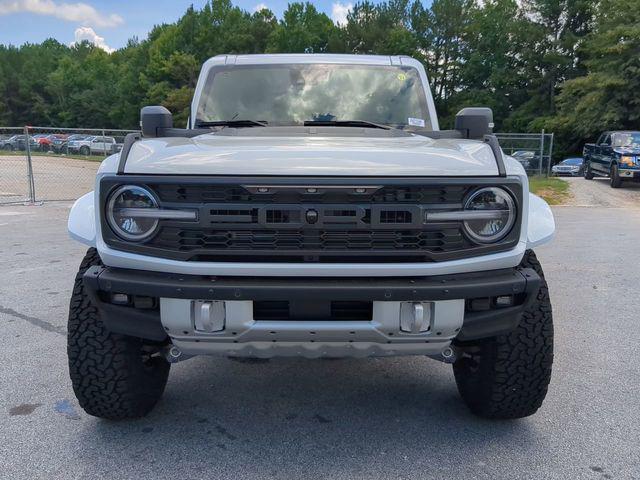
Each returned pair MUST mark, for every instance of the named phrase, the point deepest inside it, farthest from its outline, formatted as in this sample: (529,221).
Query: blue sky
(110,24)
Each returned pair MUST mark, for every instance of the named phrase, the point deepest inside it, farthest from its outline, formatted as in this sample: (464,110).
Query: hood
(310,155)
(627,150)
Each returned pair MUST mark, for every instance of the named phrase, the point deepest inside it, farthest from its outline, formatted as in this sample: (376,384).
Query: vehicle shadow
(290,417)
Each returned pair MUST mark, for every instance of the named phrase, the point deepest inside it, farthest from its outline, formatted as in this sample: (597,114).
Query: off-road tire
(507,376)
(588,173)
(616,181)
(113,376)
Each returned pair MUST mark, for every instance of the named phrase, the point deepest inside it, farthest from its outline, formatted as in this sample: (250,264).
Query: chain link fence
(534,151)
(15,176)
(45,163)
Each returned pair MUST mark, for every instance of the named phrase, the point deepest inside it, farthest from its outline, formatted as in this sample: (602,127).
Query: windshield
(293,94)
(627,139)
(572,161)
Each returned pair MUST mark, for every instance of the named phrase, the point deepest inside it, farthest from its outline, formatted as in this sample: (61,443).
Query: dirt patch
(553,197)
(55,178)
(598,193)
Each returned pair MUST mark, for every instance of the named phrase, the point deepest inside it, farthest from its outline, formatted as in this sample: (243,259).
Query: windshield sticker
(402,77)
(416,122)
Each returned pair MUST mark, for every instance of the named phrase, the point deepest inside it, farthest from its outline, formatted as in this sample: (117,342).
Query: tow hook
(173,354)
(448,355)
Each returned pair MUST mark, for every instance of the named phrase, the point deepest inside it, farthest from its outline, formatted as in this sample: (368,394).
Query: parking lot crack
(38,322)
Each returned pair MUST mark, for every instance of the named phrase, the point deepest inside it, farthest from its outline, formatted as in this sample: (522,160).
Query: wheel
(588,174)
(507,376)
(113,376)
(616,181)
(85,151)
(9,147)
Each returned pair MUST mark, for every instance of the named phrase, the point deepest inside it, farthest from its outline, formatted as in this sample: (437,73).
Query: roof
(280,58)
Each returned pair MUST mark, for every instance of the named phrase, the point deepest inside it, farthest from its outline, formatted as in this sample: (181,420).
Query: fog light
(504,301)
(480,304)
(144,302)
(120,298)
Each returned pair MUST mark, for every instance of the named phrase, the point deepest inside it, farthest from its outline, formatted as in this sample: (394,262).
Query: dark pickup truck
(616,154)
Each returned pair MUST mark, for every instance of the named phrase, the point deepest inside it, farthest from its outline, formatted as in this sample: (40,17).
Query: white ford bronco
(312,208)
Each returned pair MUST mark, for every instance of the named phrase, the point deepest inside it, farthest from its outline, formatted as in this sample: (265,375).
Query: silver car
(569,166)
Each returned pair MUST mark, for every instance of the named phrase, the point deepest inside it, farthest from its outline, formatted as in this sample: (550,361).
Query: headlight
(126,213)
(627,161)
(496,214)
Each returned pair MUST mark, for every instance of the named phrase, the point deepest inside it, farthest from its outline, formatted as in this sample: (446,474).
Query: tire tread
(508,376)
(107,372)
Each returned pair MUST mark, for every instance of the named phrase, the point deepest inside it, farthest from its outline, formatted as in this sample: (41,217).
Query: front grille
(195,240)
(350,221)
(422,194)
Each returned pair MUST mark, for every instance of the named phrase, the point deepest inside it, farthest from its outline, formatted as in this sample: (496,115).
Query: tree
(559,28)
(569,66)
(608,96)
(303,30)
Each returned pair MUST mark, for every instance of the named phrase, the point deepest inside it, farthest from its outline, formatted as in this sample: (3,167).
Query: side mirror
(153,119)
(475,122)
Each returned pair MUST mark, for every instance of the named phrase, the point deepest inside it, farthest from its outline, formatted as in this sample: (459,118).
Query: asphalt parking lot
(362,419)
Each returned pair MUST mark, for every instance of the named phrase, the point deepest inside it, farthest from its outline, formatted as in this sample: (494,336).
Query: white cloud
(71,12)
(87,33)
(339,12)
(259,7)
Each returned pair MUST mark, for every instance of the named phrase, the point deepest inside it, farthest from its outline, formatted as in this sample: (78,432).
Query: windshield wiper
(345,123)
(232,123)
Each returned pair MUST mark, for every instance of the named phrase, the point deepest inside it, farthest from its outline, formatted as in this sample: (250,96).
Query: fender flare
(82,220)
(541,226)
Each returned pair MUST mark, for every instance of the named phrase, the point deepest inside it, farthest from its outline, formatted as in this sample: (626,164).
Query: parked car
(19,142)
(5,142)
(60,143)
(616,154)
(93,145)
(37,137)
(569,166)
(46,142)
(527,158)
(342,236)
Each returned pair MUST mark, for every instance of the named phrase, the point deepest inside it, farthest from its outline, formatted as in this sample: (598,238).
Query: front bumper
(629,173)
(569,173)
(453,300)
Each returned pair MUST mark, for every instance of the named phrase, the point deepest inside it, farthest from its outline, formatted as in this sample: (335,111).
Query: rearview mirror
(153,119)
(475,122)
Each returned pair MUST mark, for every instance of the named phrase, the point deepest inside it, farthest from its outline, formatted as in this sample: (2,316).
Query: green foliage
(608,96)
(303,30)
(569,66)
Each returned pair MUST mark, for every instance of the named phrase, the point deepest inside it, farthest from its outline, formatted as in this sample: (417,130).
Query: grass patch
(553,189)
